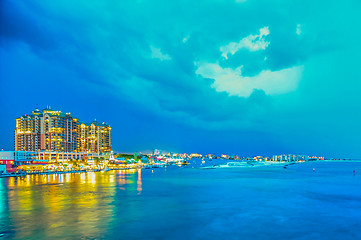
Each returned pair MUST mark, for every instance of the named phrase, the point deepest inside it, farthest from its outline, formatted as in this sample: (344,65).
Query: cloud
(157,53)
(251,42)
(185,39)
(298,29)
(231,80)
(139,52)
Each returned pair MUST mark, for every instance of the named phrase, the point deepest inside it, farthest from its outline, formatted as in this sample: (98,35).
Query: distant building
(52,130)
(157,152)
(289,158)
(195,155)
(210,156)
(225,156)
(258,158)
(315,158)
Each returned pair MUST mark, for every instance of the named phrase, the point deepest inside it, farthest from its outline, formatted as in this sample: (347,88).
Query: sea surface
(316,200)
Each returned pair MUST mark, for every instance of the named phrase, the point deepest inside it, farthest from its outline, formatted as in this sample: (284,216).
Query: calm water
(186,203)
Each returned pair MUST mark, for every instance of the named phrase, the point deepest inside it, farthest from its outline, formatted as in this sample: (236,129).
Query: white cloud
(251,42)
(298,29)
(157,53)
(185,39)
(231,80)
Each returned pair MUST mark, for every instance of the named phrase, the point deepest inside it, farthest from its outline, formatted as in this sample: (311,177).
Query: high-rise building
(52,130)
(28,132)
(48,129)
(58,131)
(94,137)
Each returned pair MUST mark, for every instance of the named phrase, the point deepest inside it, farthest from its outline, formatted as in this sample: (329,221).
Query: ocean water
(187,203)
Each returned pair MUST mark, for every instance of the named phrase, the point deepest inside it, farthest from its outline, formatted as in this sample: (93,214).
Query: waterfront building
(182,155)
(53,131)
(51,157)
(195,155)
(48,130)
(289,158)
(28,132)
(210,156)
(315,158)
(10,160)
(157,152)
(16,157)
(94,137)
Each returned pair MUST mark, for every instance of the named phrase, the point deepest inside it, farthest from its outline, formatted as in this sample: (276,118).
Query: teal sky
(239,77)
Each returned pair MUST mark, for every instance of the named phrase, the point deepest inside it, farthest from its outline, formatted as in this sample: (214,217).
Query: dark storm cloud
(147,55)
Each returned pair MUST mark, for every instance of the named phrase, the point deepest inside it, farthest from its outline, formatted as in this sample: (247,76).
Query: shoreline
(251,164)
(62,172)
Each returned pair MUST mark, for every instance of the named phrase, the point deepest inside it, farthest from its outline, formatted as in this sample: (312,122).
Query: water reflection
(46,205)
(139,181)
(182,203)
(2,200)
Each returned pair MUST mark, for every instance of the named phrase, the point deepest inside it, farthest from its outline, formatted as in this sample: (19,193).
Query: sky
(246,77)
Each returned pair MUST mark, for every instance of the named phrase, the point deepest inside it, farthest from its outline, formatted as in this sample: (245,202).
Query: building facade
(94,137)
(52,130)
(10,160)
(48,130)
(50,157)
(28,132)
(58,131)
(16,157)
(289,158)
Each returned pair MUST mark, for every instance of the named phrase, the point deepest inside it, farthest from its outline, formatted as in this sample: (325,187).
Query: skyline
(233,77)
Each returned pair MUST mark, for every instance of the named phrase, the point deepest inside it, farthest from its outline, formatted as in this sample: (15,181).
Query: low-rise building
(16,157)
(12,159)
(289,158)
(210,156)
(51,157)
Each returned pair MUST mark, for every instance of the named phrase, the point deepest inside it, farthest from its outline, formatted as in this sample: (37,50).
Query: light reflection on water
(47,205)
(139,181)
(177,203)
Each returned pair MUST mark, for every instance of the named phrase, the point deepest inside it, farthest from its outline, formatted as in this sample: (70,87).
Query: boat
(173,160)
(209,167)
(182,163)
(235,164)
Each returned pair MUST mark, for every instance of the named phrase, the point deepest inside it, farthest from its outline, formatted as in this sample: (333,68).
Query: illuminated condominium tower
(52,130)
(94,137)
(48,130)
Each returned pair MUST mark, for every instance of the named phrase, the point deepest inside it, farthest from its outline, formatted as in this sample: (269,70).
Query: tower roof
(96,123)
